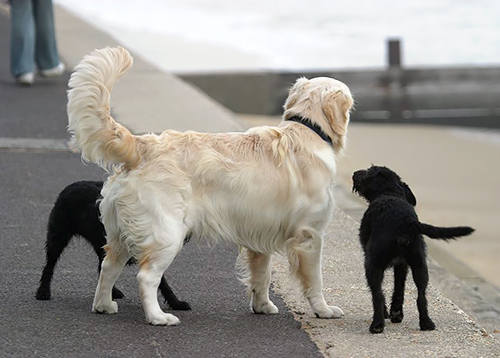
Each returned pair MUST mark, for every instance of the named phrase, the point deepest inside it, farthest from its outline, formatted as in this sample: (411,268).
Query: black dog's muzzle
(356,178)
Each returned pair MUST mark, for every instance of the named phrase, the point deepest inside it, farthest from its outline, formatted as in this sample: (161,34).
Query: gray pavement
(220,324)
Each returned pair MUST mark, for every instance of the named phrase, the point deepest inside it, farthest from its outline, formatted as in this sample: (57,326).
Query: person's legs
(22,38)
(46,56)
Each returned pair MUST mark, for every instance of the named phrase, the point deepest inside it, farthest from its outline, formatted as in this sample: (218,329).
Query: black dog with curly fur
(76,213)
(391,235)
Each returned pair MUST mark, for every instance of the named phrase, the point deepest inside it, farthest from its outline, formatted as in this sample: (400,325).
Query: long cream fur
(267,190)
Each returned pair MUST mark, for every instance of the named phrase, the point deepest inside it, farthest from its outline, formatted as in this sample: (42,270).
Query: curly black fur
(76,213)
(391,235)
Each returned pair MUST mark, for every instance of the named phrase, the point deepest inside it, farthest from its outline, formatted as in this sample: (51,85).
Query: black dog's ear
(409,195)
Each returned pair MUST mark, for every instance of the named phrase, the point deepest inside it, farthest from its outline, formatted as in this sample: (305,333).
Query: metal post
(395,95)
(394,53)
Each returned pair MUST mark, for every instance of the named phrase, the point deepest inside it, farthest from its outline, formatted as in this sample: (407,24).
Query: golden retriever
(269,190)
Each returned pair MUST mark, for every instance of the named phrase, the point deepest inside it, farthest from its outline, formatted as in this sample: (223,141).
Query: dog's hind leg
(153,263)
(304,256)
(374,277)
(421,277)
(400,273)
(171,298)
(259,269)
(57,240)
(111,268)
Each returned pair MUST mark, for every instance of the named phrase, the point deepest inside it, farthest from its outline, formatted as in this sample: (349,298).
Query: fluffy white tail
(95,132)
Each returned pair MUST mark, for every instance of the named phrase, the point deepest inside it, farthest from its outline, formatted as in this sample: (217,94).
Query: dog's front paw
(264,308)
(377,327)
(180,306)
(386,313)
(164,319)
(427,325)
(397,316)
(108,308)
(329,312)
(43,294)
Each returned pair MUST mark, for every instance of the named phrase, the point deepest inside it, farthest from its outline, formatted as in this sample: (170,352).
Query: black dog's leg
(400,272)
(375,277)
(56,243)
(115,292)
(171,298)
(421,277)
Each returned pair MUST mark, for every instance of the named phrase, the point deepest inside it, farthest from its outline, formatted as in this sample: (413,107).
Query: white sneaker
(27,78)
(54,71)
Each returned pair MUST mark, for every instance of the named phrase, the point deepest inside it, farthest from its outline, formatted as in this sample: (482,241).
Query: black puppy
(76,212)
(391,235)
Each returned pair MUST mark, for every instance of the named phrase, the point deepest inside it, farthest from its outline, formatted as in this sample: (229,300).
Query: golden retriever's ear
(296,92)
(336,105)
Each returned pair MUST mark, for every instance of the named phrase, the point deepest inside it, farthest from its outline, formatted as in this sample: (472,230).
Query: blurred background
(425,75)
(298,34)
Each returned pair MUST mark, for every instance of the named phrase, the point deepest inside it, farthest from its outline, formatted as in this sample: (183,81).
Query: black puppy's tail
(444,233)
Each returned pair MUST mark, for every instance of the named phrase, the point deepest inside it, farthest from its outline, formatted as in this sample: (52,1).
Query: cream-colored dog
(269,190)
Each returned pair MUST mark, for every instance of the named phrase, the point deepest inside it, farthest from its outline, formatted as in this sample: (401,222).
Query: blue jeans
(32,36)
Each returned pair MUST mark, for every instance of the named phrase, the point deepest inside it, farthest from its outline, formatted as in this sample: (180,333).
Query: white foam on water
(298,34)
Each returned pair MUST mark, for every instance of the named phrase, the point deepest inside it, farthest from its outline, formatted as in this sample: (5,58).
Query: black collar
(313,126)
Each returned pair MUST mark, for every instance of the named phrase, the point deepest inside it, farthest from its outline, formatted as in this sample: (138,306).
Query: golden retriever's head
(326,102)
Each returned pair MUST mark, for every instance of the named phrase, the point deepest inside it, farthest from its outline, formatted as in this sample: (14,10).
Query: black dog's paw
(181,306)
(377,327)
(396,316)
(386,313)
(427,325)
(43,294)
(117,294)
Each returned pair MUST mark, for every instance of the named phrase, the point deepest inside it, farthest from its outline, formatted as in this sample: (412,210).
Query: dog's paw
(386,313)
(43,294)
(329,312)
(164,319)
(117,294)
(397,316)
(108,308)
(377,327)
(180,306)
(427,325)
(264,308)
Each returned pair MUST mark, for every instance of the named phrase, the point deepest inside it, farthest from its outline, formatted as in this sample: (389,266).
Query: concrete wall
(457,96)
